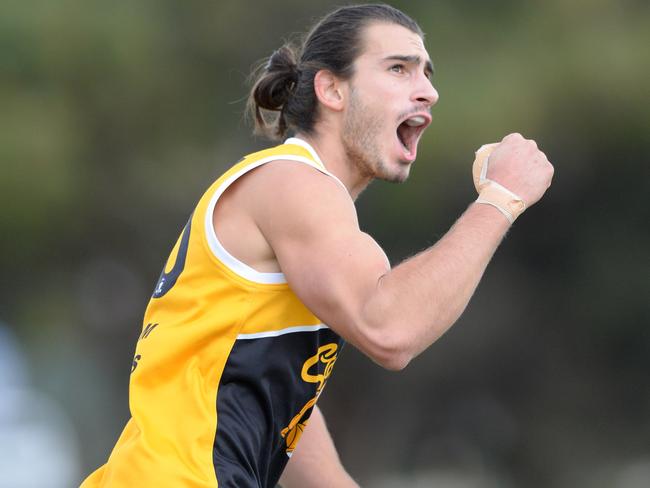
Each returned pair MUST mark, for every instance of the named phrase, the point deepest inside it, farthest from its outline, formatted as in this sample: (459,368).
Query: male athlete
(271,272)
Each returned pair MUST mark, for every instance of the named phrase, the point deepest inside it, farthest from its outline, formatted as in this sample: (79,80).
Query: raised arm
(343,276)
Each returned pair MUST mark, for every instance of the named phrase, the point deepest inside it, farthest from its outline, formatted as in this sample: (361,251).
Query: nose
(424,92)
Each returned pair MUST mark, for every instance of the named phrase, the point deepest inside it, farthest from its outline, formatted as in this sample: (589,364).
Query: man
(271,273)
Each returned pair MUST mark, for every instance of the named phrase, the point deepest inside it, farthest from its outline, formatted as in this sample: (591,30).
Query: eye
(397,68)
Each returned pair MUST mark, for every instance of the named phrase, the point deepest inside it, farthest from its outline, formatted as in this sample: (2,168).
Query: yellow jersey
(228,367)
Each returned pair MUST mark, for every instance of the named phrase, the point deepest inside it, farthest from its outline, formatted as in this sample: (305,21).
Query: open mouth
(409,132)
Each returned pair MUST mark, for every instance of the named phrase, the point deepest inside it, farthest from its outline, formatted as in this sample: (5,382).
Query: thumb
(480,166)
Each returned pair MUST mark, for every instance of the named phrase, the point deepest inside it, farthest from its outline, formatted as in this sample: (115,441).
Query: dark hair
(282,98)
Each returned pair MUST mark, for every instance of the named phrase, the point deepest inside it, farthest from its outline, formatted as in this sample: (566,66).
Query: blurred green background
(117,115)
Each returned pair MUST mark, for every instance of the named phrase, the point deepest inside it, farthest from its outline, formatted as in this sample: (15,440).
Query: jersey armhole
(217,249)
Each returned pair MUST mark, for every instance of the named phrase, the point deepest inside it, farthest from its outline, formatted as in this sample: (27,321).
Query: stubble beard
(361,140)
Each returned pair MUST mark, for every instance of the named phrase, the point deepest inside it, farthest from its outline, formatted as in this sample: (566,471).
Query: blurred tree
(117,115)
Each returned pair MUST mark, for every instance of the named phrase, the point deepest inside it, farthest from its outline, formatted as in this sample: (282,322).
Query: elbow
(389,350)
(394,362)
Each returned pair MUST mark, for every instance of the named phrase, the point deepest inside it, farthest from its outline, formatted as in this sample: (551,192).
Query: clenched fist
(511,175)
(518,165)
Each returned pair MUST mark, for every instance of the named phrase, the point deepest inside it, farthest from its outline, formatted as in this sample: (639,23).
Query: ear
(329,90)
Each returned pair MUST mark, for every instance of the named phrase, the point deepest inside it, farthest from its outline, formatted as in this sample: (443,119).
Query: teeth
(416,121)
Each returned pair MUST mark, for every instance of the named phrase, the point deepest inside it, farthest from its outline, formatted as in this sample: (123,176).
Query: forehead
(383,39)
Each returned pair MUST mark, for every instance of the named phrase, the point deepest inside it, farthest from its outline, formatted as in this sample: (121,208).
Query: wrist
(508,203)
(490,214)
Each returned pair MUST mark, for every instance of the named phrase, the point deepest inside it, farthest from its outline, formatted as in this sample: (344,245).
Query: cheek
(387,92)
(380,85)
(385,100)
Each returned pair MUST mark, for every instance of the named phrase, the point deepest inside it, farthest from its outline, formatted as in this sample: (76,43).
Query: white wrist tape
(492,193)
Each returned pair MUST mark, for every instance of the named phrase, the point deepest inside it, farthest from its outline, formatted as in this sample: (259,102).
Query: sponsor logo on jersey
(326,356)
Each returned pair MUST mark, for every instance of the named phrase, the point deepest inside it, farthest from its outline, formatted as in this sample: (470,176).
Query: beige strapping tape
(492,193)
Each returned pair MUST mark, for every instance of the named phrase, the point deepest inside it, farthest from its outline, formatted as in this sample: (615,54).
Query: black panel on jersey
(260,392)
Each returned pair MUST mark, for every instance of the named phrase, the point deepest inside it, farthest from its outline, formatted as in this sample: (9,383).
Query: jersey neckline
(296,141)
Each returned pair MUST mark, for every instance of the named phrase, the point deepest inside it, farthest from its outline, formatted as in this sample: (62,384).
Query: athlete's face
(390,86)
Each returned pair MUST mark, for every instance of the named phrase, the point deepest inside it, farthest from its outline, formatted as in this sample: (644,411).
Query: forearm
(315,462)
(417,301)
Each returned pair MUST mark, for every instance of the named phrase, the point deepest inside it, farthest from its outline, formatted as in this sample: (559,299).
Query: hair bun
(283,61)
(281,75)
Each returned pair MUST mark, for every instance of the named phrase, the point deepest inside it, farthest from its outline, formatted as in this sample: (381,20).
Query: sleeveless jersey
(228,367)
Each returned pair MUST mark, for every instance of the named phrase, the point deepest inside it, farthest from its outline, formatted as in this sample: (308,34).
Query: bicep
(331,265)
(333,274)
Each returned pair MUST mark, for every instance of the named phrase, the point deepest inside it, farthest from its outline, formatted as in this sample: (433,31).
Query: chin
(397,179)
(398,175)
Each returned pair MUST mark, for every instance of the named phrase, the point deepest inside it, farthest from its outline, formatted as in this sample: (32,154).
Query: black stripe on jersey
(168,280)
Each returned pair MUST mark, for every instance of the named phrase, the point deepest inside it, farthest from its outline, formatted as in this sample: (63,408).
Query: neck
(331,151)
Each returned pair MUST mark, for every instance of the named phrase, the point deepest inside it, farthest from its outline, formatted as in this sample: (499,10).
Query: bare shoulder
(289,195)
(278,204)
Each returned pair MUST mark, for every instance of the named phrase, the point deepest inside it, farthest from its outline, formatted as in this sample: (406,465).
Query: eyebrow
(413,59)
